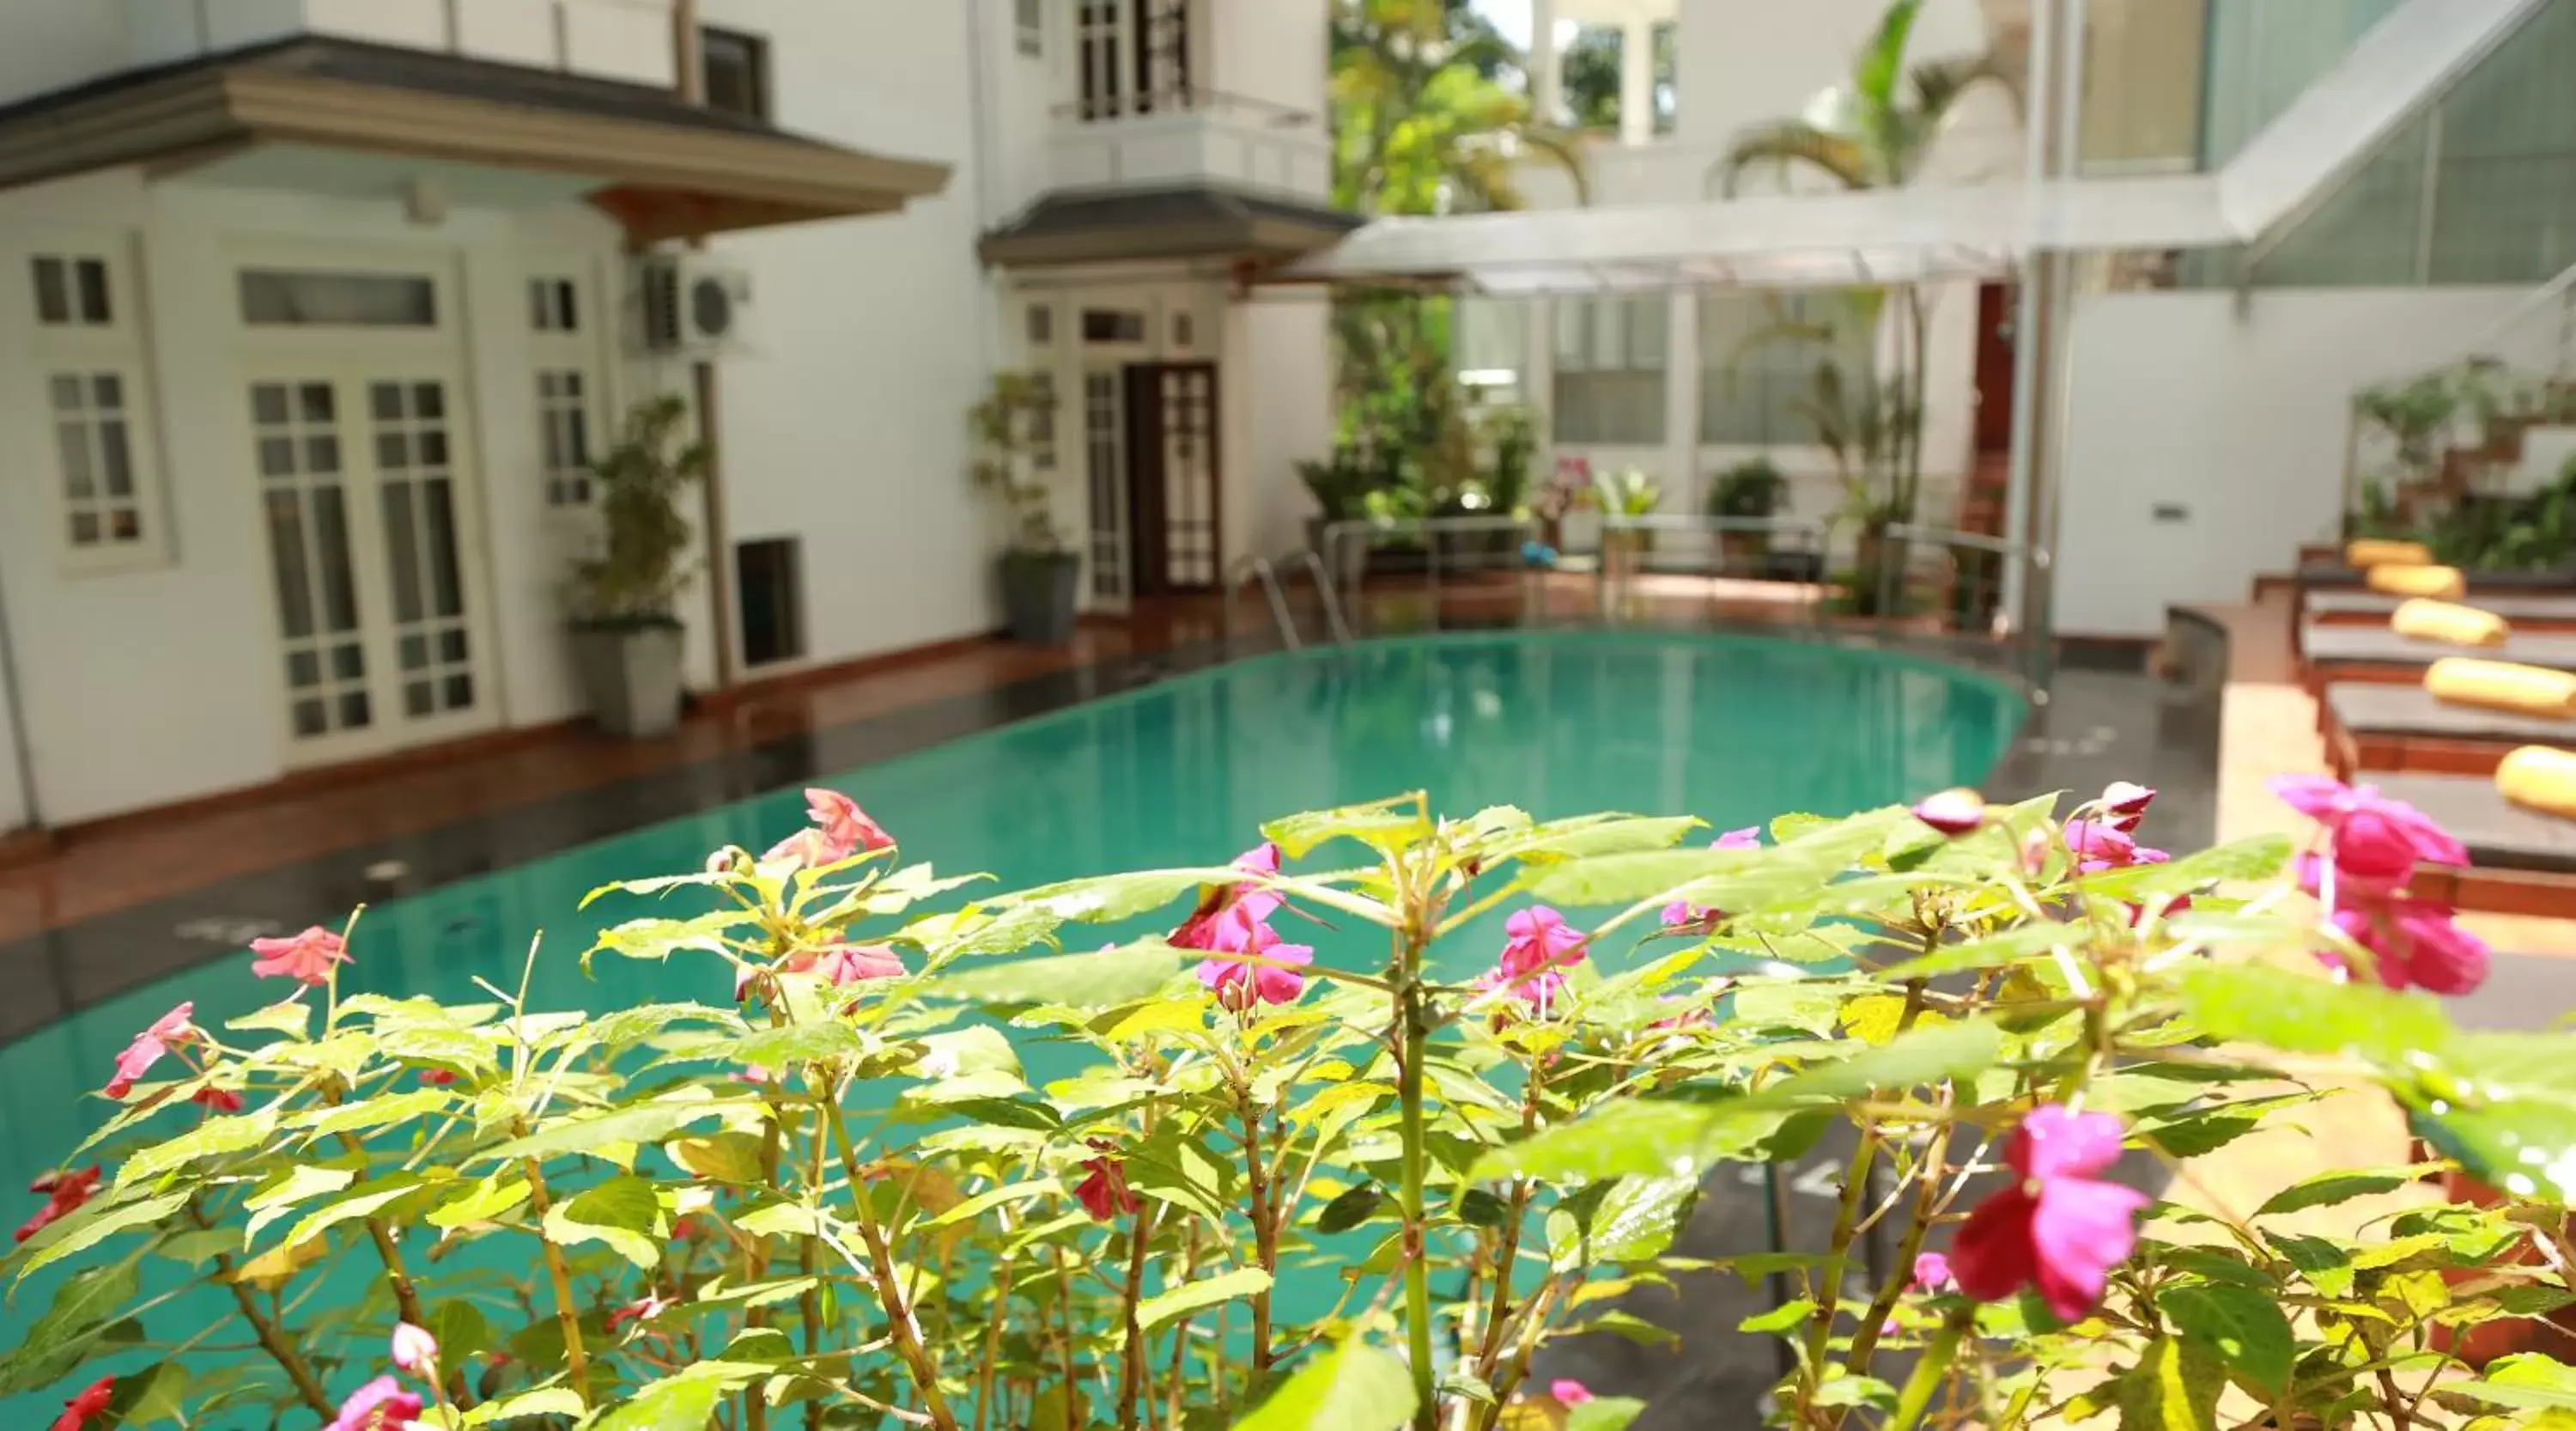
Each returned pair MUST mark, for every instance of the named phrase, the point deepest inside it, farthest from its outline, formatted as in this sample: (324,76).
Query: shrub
(1276,1194)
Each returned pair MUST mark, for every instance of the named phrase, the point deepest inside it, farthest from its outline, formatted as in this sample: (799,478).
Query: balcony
(1191,136)
(612,39)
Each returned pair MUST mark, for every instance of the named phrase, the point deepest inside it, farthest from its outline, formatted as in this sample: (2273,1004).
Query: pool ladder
(1266,571)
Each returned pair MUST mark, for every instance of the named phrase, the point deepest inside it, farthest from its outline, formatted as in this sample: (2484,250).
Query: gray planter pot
(1038,597)
(631,675)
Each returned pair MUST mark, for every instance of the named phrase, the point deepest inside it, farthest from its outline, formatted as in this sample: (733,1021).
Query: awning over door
(662,167)
(1181,221)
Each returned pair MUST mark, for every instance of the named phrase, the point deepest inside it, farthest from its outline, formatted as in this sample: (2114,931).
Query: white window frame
(1028,26)
(581,350)
(87,351)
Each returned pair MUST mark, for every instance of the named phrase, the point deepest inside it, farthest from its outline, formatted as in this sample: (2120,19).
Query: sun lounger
(2336,654)
(2318,576)
(2373,727)
(2522,862)
(2536,610)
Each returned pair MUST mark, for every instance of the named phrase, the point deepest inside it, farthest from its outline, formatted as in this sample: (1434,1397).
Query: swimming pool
(1732,729)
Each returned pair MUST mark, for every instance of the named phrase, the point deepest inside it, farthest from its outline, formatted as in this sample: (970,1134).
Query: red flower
(1105,1193)
(2060,1228)
(1952,812)
(64,1191)
(437,1077)
(92,1400)
(219,1100)
(653,1305)
(167,1032)
(839,830)
(308,957)
(1200,930)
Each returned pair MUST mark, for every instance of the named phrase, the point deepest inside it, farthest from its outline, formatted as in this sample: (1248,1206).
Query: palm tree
(1874,132)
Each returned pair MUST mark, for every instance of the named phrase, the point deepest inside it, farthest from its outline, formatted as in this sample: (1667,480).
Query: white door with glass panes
(367,498)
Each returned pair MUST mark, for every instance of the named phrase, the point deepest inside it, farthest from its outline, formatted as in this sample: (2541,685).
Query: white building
(311,312)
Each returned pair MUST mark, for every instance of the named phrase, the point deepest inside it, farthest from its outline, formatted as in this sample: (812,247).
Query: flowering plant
(1293,1162)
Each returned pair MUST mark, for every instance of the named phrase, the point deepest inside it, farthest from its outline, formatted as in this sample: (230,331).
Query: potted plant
(1629,492)
(1748,490)
(626,639)
(1571,507)
(1341,486)
(1039,573)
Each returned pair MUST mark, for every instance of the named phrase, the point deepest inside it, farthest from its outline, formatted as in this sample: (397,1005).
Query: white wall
(848,424)
(1278,408)
(57,43)
(2243,421)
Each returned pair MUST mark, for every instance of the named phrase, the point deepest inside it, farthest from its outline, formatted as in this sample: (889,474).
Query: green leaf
(543,1401)
(2505,1106)
(1638,1217)
(792,1044)
(84,1306)
(1605,1413)
(2174,1387)
(1353,1387)
(1923,1055)
(1350,1209)
(1591,835)
(92,1224)
(302,1183)
(291,1017)
(1786,1317)
(2019,944)
(1104,979)
(686,1402)
(211,1138)
(480,1201)
(364,1200)
(378,1112)
(1655,1138)
(2246,1326)
(1381,825)
(1106,899)
(1807,1006)
(649,1122)
(1195,1296)
(2328,1189)
(461,1331)
(724,1157)
(2260,1003)
(2258,858)
(624,1212)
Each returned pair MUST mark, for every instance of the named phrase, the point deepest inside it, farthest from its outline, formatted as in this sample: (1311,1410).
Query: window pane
(116,464)
(67,394)
(107,390)
(84,529)
(446,587)
(93,291)
(53,292)
(402,545)
(72,438)
(736,72)
(323,299)
(286,554)
(772,600)
(339,585)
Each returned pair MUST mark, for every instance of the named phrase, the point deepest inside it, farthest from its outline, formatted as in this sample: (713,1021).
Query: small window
(1185,330)
(1030,18)
(1041,325)
(95,447)
(274,298)
(553,306)
(736,68)
(563,416)
(1113,325)
(72,292)
(769,576)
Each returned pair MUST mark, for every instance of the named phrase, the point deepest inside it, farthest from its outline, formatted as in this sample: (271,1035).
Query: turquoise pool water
(1732,729)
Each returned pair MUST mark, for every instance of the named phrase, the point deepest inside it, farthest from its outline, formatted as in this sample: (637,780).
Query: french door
(367,499)
(1104,471)
(1172,434)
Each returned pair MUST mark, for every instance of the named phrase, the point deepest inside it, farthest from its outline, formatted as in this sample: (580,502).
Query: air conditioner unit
(693,304)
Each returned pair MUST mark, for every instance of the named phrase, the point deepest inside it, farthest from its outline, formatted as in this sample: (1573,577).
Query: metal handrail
(1262,569)
(1337,537)
(1333,619)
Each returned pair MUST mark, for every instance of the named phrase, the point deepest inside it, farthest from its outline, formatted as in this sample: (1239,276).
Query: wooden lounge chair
(2374,727)
(2334,654)
(2522,862)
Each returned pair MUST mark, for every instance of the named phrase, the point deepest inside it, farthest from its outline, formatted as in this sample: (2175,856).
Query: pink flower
(1953,812)
(1932,1273)
(2061,1228)
(1538,938)
(2098,846)
(653,1305)
(414,1349)
(859,963)
(380,1405)
(91,1401)
(64,1191)
(308,956)
(1569,1394)
(1239,984)
(1540,991)
(1748,838)
(437,1077)
(2412,943)
(1105,1194)
(2373,842)
(1683,917)
(1199,931)
(218,1100)
(167,1031)
(2124,804)
(840,829)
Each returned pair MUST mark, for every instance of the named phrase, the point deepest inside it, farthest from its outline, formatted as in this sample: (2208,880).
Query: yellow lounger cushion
(2373,551)
(2426,620)
(2442,583)
(2500,685)
(2540,777)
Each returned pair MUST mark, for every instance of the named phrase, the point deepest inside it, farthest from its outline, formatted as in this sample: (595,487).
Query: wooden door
(1996,312)
(1174,478)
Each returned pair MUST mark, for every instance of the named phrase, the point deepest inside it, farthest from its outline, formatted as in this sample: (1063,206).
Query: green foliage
(1005,426)
(1751,488)
(1010,1184)
(642,569)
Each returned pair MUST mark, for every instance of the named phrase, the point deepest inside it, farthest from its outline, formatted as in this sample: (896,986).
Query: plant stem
(1927,1200)
(271,1340)
(1132,1390)
(1265,1229)
(810,1262)
(993,1343)
(1413,1028)
(1829,1295)
(567,1314)
(1928,1375)
(890,1294)
(1499,1313)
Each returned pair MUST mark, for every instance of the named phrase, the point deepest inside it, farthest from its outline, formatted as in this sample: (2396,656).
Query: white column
(1681,401)
(1637,82)
(1547,72)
